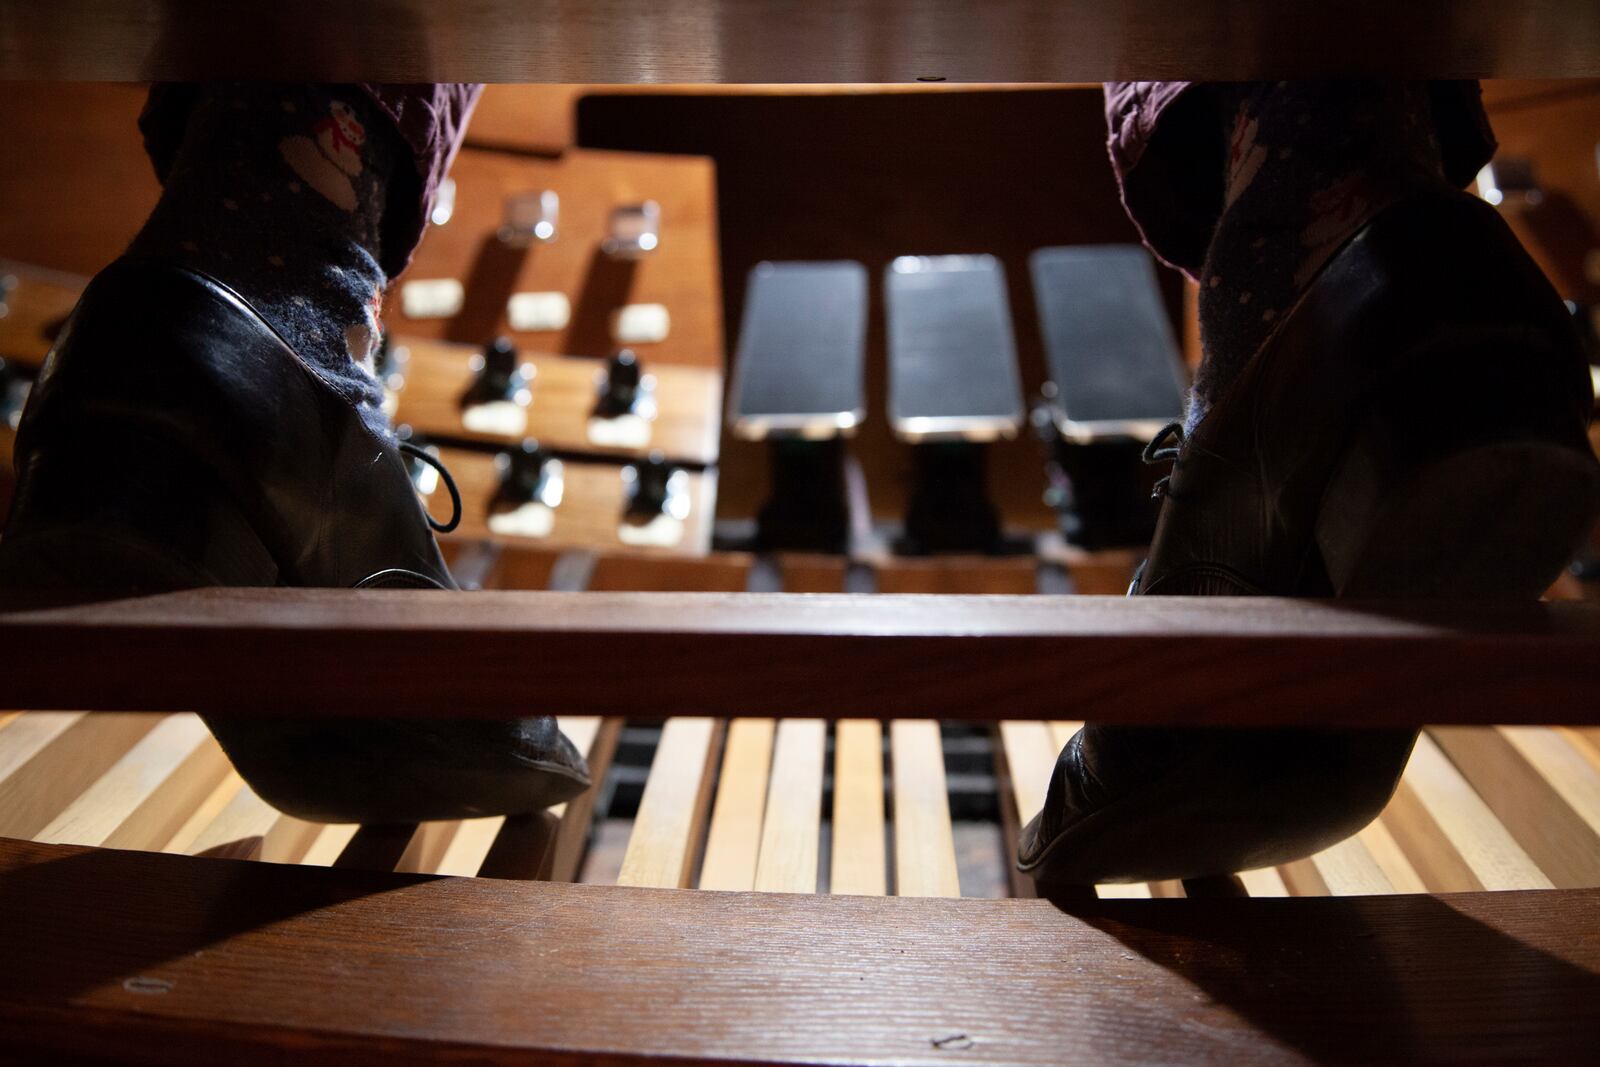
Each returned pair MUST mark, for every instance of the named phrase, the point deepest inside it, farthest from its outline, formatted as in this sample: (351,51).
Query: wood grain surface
(821,40)
(1143,659)
(680,273)
(688,402)
(36,302)
(165,958)
(859,856)
(591,508)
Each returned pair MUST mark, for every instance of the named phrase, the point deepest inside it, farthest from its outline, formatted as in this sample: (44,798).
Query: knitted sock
(1308,164)
(278,190)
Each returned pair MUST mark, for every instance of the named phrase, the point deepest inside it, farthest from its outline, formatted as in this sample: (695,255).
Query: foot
(175,440)
(1414,427)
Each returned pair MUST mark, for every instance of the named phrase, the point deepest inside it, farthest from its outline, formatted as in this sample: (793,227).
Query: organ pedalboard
(556,346)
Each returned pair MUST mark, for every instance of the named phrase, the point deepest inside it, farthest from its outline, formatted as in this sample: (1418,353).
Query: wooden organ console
(799,844)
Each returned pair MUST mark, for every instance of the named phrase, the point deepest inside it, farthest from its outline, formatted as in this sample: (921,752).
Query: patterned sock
(278,190)
(1308,163)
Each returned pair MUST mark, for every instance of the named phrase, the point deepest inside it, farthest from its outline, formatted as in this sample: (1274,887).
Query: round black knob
(650,485)
(524,471)
(622,384)
(500,359)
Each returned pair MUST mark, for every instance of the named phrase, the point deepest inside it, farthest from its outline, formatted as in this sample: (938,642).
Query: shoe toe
(401,770)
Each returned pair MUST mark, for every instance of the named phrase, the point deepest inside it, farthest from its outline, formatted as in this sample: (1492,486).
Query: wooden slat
(1060,733)
(1587,741)
(1030,750)
(1019,751)
(330,841)
(670,826)
(1030,753)
(1266,882)
(213,961)
(150,790)
(1566,848)
(550,844)
(1496,860)
(204,813)
(1349,869)
(734,840)
(240,829)
(1302,878)
(1432,855)
(1563,764)
(826,41)
(597,738)
(791,830)
(374,848)
(1397,869)
(1289,661)
(924,846)
(48,758)
(860,855)
(427,846)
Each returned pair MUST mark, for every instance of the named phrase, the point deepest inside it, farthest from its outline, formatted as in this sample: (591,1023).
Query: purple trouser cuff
(1166,141)
(431,119)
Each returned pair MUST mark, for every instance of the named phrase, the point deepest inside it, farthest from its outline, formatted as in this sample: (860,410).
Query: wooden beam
(1213,660)
(822,40)
(122,955)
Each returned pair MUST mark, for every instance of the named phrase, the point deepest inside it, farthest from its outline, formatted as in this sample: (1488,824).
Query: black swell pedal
(1115,379)
(802,346)
(620,391)
(953,387)
(798,384)
(1108,342)
(952,355)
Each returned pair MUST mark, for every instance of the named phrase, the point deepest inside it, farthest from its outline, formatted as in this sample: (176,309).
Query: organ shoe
(1414,428)
(174,440)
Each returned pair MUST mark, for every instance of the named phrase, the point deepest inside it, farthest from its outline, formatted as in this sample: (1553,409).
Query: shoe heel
(145,517)
(1496,519)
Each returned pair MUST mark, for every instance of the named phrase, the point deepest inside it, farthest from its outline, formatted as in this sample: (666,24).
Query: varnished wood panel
(162,957)
(35,306)
(590,510)
(1116,659)
(681,273)
(685,428)
(76,185)
(794,40)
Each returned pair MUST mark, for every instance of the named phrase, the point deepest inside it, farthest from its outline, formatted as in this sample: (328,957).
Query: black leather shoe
(1414,428)
(174,440)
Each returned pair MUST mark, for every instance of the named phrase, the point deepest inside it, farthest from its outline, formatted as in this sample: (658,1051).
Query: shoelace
(1163,447)
(449,483)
